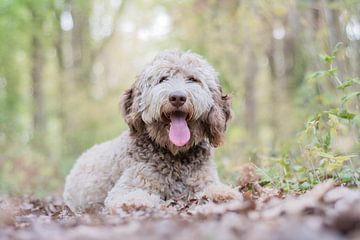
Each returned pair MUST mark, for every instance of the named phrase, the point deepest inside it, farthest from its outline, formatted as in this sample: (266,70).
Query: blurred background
(64,64)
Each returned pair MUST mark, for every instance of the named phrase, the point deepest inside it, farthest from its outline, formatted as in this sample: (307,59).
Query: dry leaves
(326,212)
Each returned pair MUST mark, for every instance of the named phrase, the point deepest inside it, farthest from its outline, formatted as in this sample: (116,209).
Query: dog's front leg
(132,189)
(219,192)
(212,188)
(120,197)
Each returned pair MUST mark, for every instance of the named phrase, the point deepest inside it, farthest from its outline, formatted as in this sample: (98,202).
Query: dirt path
(326,212)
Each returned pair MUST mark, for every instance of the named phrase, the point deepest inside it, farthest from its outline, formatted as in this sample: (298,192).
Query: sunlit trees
(64,63)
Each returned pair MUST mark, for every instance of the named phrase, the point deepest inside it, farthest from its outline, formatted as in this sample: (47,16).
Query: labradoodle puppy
(176,113)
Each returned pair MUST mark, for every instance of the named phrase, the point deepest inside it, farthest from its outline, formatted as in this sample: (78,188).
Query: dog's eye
(192,79)
(162,79)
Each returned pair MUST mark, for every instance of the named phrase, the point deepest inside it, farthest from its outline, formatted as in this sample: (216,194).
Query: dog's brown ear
(218,117)
(130,113)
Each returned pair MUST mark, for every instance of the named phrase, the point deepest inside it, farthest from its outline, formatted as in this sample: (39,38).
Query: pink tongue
(179,133)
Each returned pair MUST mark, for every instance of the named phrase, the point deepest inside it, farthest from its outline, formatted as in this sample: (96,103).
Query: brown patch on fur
(132,118)
(126,101)
(163,162)
(218,116)
(167,108)
(226,101)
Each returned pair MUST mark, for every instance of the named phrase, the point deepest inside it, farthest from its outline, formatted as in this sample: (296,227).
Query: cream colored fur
(142,166)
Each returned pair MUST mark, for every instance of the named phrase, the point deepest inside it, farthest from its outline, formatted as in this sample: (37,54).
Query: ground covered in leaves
(326,212)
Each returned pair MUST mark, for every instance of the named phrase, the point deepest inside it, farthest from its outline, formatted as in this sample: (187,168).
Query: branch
(96,52)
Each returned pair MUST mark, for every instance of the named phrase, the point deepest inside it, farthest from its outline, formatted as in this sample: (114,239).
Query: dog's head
(177,101)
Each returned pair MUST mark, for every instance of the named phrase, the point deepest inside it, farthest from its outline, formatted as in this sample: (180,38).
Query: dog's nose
(177,98)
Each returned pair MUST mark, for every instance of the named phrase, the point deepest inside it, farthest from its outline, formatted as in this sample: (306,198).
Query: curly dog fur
(156,159)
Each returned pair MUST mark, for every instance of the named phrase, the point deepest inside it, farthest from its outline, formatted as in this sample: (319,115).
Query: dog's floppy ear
(130,113)
(218,117)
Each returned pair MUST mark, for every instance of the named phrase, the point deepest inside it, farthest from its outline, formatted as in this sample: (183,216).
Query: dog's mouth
(179,132)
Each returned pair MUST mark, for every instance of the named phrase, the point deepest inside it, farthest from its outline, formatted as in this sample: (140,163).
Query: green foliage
(313,157)
(93,49)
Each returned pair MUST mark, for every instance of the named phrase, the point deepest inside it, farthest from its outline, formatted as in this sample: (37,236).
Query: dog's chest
(178,180)
(172,176)
(181,176)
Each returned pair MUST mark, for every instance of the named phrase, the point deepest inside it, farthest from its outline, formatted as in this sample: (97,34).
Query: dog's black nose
(177,98)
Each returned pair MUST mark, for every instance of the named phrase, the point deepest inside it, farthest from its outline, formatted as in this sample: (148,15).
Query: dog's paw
(134,200)
(221,193)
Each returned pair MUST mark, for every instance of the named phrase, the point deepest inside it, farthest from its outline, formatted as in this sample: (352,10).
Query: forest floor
(327,211)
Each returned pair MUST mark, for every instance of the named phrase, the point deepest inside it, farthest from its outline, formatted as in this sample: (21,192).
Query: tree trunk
(314,16)
(39,120)
(270,53)
(334,35)
(250,102)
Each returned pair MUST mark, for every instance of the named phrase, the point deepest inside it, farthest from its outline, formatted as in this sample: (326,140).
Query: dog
(176,113)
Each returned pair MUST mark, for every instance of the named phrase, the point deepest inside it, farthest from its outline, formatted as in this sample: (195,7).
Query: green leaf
(346,177)
(342,159)
(325,155)
(348,83)
(346,115)
(345,84)
(299,168)
(318,74)
(330,58)
(327,58)
(305,186)
(327,141)
(336,48)
(351,95)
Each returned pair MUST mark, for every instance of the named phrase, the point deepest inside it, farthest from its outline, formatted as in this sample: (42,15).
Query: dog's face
(177,101)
